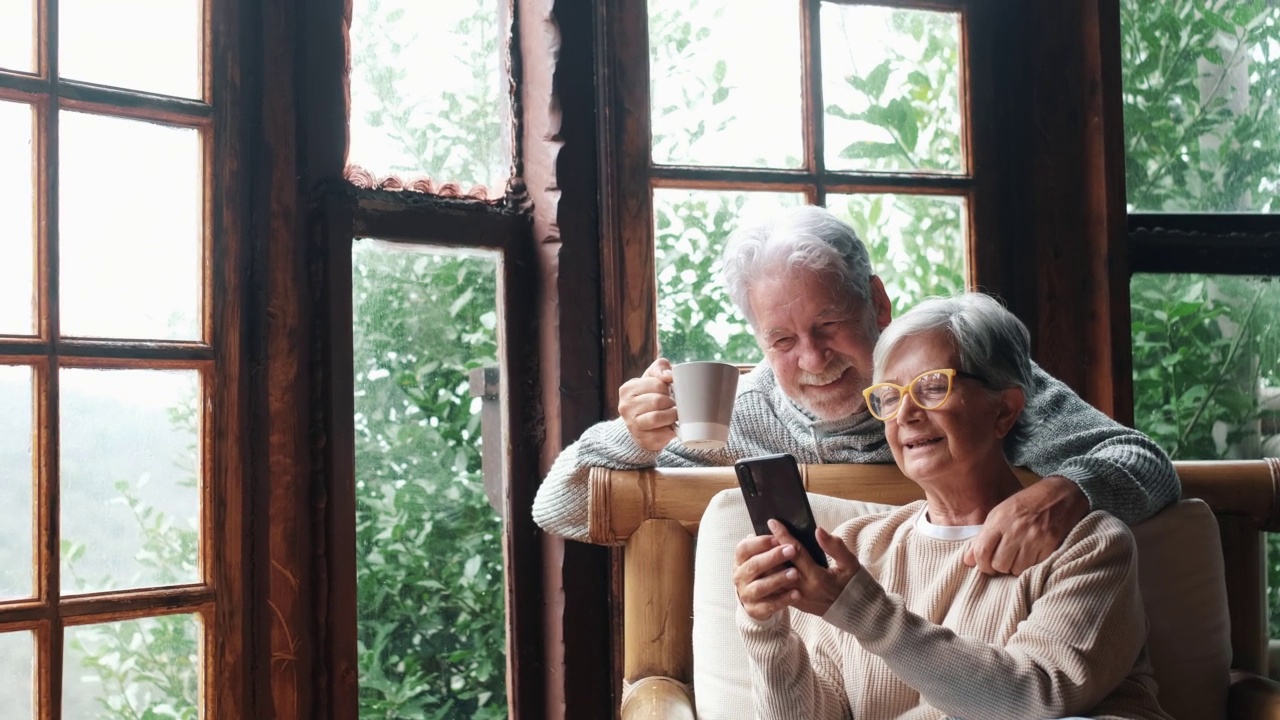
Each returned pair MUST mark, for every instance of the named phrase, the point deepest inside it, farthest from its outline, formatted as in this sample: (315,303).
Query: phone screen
(773,489)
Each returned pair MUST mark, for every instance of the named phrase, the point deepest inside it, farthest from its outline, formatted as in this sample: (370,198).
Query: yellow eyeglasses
(929,391)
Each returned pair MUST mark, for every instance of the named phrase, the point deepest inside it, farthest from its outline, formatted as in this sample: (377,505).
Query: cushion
(721,675)
(1184,591)
(1180,572)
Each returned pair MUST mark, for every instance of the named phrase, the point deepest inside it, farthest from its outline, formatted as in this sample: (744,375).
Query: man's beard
(829,403)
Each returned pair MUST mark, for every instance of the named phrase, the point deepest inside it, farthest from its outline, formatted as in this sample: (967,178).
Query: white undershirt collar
(943,532)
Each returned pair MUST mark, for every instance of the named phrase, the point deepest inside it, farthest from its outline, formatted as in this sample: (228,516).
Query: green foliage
(696,318)
(1198,138)
(691,106)
(147,669)
(429,571)
(429,579)
(910,97)
(1201,139)
(916,243)
(429,568)
(1200,348)
(451,135)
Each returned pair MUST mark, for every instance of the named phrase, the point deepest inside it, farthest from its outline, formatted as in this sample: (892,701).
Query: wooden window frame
(310,217)
(219,598)
(429,223)
(630,176)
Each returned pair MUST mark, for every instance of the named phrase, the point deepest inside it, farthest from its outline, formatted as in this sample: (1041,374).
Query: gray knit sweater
(1120,470)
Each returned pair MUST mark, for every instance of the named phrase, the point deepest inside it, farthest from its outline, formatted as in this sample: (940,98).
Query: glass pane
(130,466)
(429,572)
(1206,364)
(151,45)
(1206,374)
(696,318)
(17,467)
(17,35)
(1201,105)
(725,83)
(17,675)
(17,220)
(144,669)
(917,242)
(429,91)
(891,87)
(130,254)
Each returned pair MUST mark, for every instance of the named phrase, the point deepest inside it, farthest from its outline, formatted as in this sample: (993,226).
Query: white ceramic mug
(704,393)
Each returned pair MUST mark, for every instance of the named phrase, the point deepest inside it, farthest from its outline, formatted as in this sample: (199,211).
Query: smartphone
(773,489)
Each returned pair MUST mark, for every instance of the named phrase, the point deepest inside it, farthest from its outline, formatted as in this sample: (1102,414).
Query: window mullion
(811,84)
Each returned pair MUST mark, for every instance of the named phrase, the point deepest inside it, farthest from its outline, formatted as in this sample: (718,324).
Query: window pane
(1201,105)
(696,318)
(1206,374)
(130,466)
(429,571)
(130,229)
(891,88)
(17,34)
(17,213)
(725,83)
(917,242)
(1206,364)
(17,675)
(147,668)
(429,91)
(17,465)
(151,45)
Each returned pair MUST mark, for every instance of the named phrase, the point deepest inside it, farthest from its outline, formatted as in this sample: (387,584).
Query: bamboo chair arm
(1253,697)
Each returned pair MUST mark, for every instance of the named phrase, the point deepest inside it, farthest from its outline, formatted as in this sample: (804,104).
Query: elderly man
(804,282)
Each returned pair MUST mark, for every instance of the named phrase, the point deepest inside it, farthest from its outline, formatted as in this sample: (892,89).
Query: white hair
(991,341)
(807,237)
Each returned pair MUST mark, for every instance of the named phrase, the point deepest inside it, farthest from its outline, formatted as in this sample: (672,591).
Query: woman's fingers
(757,557)
(839,552)
(761,576)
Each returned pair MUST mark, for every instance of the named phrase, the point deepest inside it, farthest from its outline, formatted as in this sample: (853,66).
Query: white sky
(16,40)
(127,271)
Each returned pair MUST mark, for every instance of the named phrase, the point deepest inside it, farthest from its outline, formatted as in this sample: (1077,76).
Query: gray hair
(991,341)
(805,237)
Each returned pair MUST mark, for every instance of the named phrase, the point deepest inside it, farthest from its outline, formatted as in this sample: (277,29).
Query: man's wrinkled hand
(646,406)
(1027,527)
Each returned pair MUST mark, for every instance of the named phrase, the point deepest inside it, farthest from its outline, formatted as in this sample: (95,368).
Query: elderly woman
(899,626)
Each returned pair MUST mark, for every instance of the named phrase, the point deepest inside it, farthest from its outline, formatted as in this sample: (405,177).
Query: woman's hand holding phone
(774,572)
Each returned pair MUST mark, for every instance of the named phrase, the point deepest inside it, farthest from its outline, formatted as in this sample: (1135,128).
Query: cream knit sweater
(1120,470)
(917,634)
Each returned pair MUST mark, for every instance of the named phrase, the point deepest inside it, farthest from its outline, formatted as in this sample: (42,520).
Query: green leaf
(876,79)
(904,121)
(867,150)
